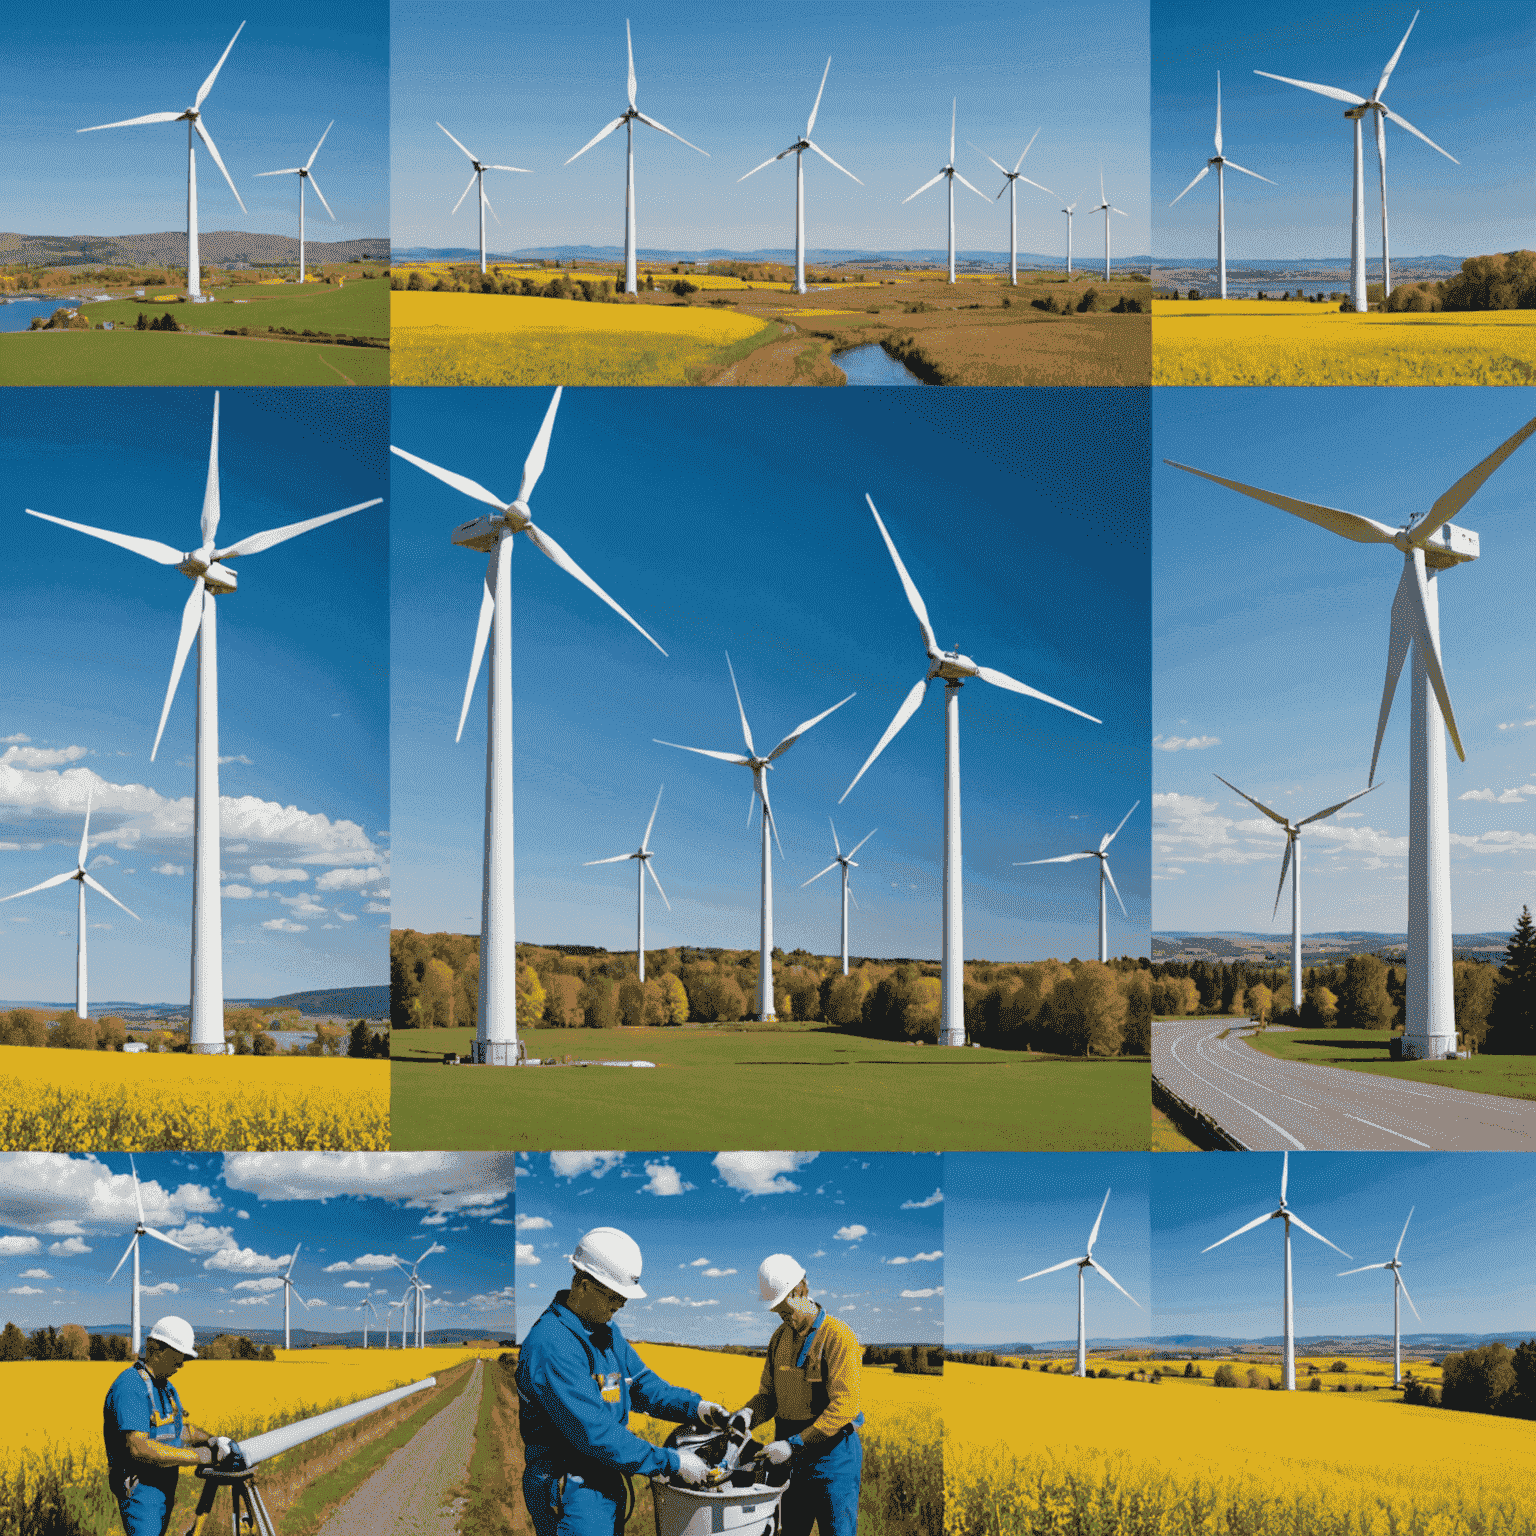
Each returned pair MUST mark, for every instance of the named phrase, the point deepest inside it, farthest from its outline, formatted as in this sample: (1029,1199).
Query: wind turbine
(1358,107)
(627,122)
(478,175)
(304,174)
(1429,544)
(1011,187)
(1293,852)
(1283,1212)
(1399,1290)
(956,670)
(1068,211)
(644,855)
(1220,162)
(760,766)
(846,860)
(210,578)
(78,874)
(141,1229)
(1086,1262)
(1106,208)
(496,1033)
(289,1291)
(367,1309)
(417,1292)
(388,1323)
(798,149)
(952,175)
(1101,853)
(193,117)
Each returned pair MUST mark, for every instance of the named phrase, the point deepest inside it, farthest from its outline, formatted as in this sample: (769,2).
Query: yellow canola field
(472,314)
(107,1101)
(1244,341)
(1035,1453)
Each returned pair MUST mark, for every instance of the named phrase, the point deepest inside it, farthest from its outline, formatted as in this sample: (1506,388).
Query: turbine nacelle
(952,666)
(485,533)
(1448,545)
(218,578)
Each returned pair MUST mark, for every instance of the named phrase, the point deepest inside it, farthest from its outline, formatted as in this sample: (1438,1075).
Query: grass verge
(1365,1050)
(494,1486)
(1167,1137)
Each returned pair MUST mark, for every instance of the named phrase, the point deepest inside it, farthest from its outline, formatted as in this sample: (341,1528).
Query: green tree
(600,1003)
(1479,1380)
(1512,1013)
(842,998)
(1475,986)
(676,997)
(1085,1014)
(13,1343)
(530,996)
(1138,1015)
(1364,1002)
(1225,1376)
(631,1002)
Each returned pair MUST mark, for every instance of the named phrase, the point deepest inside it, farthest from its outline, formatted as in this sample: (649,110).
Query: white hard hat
(177,1332)
(777,1276)
(613,1259)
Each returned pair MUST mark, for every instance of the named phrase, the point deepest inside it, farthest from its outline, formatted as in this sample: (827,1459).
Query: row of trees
(251,1030)
(72,1342)
(1494,1379)
(1485,282)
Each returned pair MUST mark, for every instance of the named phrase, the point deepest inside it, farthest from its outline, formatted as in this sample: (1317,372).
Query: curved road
(1275,1106)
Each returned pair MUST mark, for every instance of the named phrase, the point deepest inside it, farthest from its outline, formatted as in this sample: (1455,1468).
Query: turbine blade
(1037,186)
(459,482)
(1285,865)
(1205,171)
(1064,858)
(630,44)
(923,188)
(1381,142)
(1349,525)
(151,549)
(1003,168)
(544,542)
(914,597)
(1065,1264)
(1399,1247)
(474,176)
(1274,816)
(861,841)
(133,122)
(1096,1265)
(314,186)
(1448,505)
(482,634)
(977,190)
(256,542)
(1398,1276)
(725,757)
(207,84)
(1218,111)
(521,170)
(1258,1221)
(837,846)
(954,104)
(830,161)
(810,122)
(618,858)
(1109,875)
(746,730)
(210,516)
(1386,74)
(645,842)
(472,159)
(908,707)
(129,1249)
(191,617)
(293,1258)
(95,886)
(323,137)
(1429,649)
(756,168)
(533,465)
(1397,651)
(817,876)
(800,730)
(1322,90)
(652,123)
(1402,122)
(484,199)
(288,170)
(1318,1235)
(55,880)
(1002,680)
(1234,166)
(854,899)
(761,775)
(150,1232)
(1098,1221)
(213,149)
(652,873)
(1319,815)
(618,122)
(1020,161)
(133,1170)
(85,832)
(1116,833)
(1362,1270)
(1285,1174)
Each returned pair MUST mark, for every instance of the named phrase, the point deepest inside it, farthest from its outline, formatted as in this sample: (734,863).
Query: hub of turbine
(953,667)
(483,534)
(1448,545)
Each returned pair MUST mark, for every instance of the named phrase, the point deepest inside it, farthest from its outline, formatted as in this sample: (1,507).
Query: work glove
(204,1456)
(691,1468)
(222,1448)
(779,1452)
(711,1415)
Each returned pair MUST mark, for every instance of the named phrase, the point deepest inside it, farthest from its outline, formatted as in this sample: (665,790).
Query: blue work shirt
(137,1402)
(576,1387)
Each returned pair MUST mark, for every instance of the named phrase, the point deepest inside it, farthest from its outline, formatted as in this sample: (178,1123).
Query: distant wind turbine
(478,176)
(1106,208)
(644,855)
(1399,1294)
(1068,211)
(290,1291)
(193,117)
(304,174)
(1011,187)
(949,172)
(369,1312)
(132,1250)
(1101,853)
(846,861)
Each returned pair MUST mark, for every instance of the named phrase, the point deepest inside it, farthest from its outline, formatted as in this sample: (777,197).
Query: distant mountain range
(1311,1344)
(333,1002)
(1316,948)
(218,248)
(1305,263)
(313,1338)
(824,257)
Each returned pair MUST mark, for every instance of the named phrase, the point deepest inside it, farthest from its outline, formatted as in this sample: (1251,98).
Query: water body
(874,365)
(16,314)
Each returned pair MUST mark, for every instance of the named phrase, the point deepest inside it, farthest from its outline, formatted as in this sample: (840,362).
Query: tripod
(247,1512)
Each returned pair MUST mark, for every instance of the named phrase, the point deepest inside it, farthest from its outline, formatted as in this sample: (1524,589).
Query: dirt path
(407,1496)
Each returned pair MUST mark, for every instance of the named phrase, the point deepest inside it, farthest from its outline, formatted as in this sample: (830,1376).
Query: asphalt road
(1276,1106)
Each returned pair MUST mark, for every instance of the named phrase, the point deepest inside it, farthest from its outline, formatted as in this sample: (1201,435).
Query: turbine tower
(416,1293)
(760,766)
(492,535)
(627,122)
(1086,1262)
(955,670)
(478,176)
(140,1230)
(798,149)
(846,860)
(1101,853)
(1283,1212)
(1068,211)
(1358,107)
(952,175)
(644,855)
(1106,208)
(1292,862)
(78,874)
(1011,187)
(1429,544)
(1399,1294)
(389,1322)
(210,579)
(193,117)
(1220,162)
(289,1291)
(305,175)
(368,1311)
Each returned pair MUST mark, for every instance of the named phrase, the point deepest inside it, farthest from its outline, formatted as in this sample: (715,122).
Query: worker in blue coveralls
(810,1388)
(148,1437)
(577,1380)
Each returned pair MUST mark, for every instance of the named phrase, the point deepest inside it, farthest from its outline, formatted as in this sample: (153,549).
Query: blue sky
(65,1221)
(1464,79)
(739,524)
(867,1227)
(89,633)
(1008,1214)
(1270,643)
(528,87)
(289,74)
(1459,1265)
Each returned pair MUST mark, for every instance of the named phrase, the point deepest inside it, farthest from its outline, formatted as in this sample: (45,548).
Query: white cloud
(1185,743)
(664,1180)
(716,1274)
(356,1285)
(252,1301)
(533,1223)
(375,906)
(25,1290)
(435,1181)
(682,1301)
(19,736)
(265,874)
(239,758)
(1516,725)
(69,1248)
(937,1290)
(303,906)
(201,1238)
(40,757)
(349,879)
(239,892)
(571,1165)
(1516,796)
(165,1288)
(346,917)
(936,1198)
(283,925)
(850,1234)
(268,1284)
(761,1173)
(525,1257)
(36,1274)
(14,1247)
(168,868)
(246,1261)
(917,1258)
(67,1197)
(102,860)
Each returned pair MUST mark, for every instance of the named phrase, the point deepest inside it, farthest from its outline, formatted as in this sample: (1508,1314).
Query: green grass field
(746,1088)
(158,357)
(1365,1050)
(361,308)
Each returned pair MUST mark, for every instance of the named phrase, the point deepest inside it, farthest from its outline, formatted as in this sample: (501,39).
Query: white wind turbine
(955,670)
(1101,853)
(1011,187)
(78,874)
(1283,1212)
(210,578)
(846,860)
(1220,162)
(478,176)
(304,174)
(389,1322)
(1358,107)
(1429,544)
(1068,210)
(1399,1293)
(1106,208)
(1086,1262)
(193,117)
(140,1230)
(760,766)
(627,122)
(644,855)
(369,1312)
(290,1291)
(492,535)
(417,1293)
(798,149)
(1293,853)
(950,174)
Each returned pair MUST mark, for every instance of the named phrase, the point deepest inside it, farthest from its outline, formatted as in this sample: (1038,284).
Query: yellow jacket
(810,1381)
